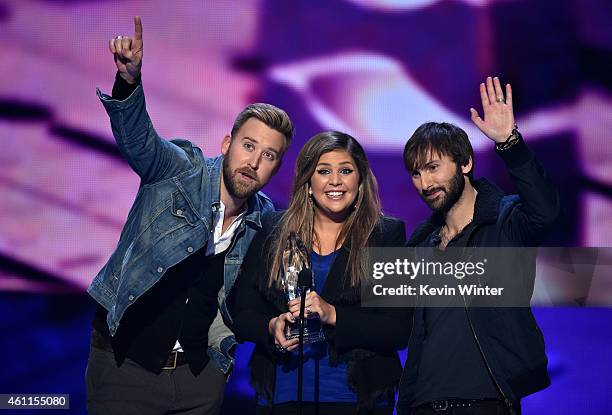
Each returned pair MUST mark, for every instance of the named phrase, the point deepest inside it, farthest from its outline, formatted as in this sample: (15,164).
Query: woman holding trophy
(350,361)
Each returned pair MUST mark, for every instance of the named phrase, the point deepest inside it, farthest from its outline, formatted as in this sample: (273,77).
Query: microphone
(305,283)
(305,278)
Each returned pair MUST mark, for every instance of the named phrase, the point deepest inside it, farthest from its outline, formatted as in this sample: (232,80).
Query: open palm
(498,119)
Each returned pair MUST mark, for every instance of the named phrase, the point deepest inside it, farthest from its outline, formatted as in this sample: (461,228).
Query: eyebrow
(246,137)
(425,165)
(431,161)
(329,164)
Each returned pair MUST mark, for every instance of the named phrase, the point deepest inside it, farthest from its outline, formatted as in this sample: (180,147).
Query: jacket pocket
(182,209)
(158,237)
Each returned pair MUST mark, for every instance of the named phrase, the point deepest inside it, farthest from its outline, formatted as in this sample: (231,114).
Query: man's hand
(314,304)
(128,53)
(498,114)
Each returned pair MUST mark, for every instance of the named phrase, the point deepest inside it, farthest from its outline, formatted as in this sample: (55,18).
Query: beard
(235,187)
(449,196)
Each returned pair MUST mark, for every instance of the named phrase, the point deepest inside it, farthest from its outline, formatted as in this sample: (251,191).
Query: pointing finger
(137,28)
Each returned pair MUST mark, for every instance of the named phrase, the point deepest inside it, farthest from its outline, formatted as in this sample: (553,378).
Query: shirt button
(160,269)
(179,212)
(190,249)
(131,298)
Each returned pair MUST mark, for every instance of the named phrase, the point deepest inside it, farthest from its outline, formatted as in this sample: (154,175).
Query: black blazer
(366,338)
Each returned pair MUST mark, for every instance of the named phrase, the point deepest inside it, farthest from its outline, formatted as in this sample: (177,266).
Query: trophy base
(313,332)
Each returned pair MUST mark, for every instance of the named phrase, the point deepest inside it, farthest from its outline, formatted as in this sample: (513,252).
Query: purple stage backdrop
(373,68)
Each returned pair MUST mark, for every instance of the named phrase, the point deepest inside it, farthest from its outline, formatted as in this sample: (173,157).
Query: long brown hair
(299,217)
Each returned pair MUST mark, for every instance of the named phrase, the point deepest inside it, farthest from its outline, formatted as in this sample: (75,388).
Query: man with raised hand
(161,295)
(476,360)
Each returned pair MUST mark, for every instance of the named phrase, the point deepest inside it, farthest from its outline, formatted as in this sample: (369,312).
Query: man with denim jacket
(161,295)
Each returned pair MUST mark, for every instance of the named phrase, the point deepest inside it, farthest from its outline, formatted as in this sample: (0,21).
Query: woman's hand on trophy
(314,304)
(277,327)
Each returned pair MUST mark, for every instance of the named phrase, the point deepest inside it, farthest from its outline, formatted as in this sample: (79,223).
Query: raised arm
(539,201)
(149,155)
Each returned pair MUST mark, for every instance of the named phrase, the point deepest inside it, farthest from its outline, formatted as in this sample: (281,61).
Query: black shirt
(181,306)
(451,366)
(121,89)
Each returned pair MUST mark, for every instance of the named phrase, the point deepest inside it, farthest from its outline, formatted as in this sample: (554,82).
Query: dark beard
(235,188)
(449,196)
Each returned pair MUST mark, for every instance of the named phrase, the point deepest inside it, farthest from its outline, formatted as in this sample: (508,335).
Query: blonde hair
(274,117)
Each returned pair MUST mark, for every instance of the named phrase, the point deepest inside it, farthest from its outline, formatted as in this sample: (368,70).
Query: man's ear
(225,144)
(466,169)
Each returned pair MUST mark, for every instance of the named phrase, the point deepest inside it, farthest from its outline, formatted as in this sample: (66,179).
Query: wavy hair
(299,217)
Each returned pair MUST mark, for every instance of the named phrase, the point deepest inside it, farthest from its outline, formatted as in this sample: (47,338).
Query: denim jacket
(170,219)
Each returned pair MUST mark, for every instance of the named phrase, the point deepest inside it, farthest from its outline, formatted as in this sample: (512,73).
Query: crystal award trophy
(296,258)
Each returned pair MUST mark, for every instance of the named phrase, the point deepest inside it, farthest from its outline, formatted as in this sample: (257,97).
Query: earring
(309,191)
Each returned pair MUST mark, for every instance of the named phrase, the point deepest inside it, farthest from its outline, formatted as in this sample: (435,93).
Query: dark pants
(130,389)
(323,409)
(498,408)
